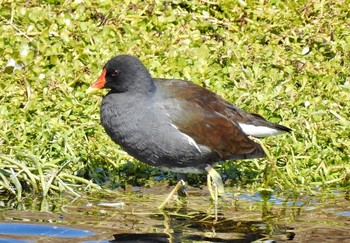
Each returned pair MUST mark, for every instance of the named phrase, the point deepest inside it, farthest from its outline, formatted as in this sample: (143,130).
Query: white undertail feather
(259,131)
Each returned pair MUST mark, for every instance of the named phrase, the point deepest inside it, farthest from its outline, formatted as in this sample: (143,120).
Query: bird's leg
(179,185)
(214,179)
(181,192)
(210,187)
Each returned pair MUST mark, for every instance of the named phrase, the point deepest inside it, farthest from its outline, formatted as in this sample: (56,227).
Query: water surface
(132,215)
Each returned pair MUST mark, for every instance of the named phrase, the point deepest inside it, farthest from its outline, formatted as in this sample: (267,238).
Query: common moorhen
(175,124)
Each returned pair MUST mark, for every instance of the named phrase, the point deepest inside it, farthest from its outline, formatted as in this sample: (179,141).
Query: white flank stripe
(259,131)
(192,142)
(189,139)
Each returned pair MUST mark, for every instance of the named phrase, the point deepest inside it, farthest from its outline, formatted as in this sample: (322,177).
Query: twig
(103,21)
(29,92)
(20,31)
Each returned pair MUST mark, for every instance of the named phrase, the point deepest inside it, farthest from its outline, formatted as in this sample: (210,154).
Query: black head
(124,73)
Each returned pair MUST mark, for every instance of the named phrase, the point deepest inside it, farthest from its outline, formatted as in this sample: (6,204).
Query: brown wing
(209,120)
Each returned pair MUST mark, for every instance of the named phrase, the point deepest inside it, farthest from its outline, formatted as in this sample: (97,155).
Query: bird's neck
(136,84)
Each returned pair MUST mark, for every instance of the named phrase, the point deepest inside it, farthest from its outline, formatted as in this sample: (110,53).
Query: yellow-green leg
(215,187)
(214,179)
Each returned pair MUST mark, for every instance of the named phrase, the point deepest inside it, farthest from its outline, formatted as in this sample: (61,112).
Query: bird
(175,124)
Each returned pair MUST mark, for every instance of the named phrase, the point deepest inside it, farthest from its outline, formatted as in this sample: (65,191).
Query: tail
(257,126)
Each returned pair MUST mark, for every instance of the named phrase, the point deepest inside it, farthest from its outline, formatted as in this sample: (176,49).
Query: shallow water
(132,216)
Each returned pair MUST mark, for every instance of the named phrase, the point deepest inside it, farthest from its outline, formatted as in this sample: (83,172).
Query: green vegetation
(286,60)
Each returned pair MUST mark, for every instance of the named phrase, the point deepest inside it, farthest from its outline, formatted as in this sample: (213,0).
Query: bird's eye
(115,73)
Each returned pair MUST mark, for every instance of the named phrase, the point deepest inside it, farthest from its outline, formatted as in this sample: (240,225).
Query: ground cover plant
(286,60)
